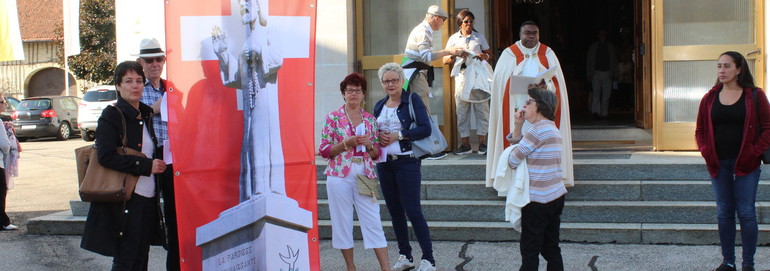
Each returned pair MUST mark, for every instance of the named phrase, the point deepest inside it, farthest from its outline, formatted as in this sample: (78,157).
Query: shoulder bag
(765,156)
(433,144)
(100,184)
(367,186)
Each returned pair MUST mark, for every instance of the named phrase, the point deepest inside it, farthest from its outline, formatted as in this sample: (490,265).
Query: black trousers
(4,219)
(169,214)
(134,246)
(540,225)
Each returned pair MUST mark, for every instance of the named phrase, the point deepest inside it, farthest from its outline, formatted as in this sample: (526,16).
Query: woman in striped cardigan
(541,146)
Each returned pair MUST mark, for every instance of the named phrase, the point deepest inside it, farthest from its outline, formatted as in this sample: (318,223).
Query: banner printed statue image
(255,73)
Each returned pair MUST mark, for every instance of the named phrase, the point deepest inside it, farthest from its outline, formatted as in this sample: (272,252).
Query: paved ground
(48,182)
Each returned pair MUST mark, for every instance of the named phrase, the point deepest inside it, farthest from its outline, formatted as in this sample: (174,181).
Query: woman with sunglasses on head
(349,143)
(399,169)
(541,146)
(730,117)
(478,74)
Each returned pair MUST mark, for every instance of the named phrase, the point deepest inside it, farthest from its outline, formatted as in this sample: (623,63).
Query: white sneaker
(10,227)
(403,264)
(425,265)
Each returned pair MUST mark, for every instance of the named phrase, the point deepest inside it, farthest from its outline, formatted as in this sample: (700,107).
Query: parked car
(10,106)
(90,108)
(46,116)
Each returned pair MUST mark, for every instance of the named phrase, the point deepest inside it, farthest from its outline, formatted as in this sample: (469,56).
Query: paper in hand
(361,130)
(520,84)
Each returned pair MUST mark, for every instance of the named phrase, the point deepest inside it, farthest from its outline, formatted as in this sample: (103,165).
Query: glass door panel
(687,40)
(382,30)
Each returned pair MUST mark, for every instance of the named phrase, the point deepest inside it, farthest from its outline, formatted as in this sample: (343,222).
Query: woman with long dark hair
(727,131)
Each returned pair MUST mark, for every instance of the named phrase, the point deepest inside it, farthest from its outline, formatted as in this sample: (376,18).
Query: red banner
(206,118)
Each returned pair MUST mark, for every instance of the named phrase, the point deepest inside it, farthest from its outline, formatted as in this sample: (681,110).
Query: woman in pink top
(349,143)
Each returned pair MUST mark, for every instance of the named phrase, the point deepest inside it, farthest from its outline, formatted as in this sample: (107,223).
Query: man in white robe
(526,57)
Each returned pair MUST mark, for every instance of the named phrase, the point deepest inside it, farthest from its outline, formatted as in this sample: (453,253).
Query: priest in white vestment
(526,57)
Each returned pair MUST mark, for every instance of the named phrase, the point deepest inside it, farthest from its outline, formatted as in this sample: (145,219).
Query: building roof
(38,19)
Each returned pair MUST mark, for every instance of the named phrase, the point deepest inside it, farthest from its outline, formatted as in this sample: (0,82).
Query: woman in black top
(126,231)
(727,132)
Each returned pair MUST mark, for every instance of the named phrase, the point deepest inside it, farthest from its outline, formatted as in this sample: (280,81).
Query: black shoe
(725,267)
(463,149)
(483,149)
(747,268)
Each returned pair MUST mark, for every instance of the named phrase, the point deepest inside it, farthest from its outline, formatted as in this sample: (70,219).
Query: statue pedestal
(266,232)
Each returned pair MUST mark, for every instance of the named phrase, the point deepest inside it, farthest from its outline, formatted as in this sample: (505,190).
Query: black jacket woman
(126,232)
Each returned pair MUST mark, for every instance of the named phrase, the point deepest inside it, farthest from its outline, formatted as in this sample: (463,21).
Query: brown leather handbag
(100,184)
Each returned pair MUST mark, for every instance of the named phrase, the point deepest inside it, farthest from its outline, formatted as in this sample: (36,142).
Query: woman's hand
(158,166)
(349,142)
(363,140)
(387,137)
(519,118)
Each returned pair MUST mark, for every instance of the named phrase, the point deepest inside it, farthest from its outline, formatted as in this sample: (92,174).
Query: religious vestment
(519,60)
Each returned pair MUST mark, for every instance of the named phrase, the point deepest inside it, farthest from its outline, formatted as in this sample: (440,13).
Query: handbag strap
(123,135)
(411,108)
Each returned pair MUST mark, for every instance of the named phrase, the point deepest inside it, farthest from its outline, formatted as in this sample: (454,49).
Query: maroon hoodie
(751,145)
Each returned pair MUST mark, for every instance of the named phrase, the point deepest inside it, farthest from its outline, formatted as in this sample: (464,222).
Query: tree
(96,61)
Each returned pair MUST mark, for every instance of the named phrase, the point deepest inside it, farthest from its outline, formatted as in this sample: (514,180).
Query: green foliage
(96,61)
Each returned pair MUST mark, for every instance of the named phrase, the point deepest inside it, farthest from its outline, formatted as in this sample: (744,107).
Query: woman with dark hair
(541,145)
(399,169)
(477,73)
(349,143)
(125,231)
(730,117)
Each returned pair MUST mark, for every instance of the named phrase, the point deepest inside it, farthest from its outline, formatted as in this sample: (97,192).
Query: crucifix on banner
(251,46)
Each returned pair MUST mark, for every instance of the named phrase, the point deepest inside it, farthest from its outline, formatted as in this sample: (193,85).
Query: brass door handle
(755,52)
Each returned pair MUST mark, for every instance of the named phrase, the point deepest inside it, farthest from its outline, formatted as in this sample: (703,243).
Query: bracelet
(370,148)
(344,144)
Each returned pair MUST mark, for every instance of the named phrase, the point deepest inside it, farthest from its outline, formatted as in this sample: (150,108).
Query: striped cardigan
(541,145)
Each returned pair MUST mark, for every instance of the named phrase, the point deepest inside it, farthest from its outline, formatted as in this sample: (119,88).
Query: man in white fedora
(152,58)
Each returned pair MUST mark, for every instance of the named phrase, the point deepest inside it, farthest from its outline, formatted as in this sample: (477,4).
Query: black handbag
(765,156)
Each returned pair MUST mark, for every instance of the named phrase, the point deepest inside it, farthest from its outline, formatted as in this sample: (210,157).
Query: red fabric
(506,96)
(205,127)
(752,147)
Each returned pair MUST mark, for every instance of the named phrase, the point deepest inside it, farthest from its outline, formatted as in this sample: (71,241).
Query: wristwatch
(400,136)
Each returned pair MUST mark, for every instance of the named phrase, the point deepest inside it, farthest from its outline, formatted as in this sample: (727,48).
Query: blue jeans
(400,183)
(736,194)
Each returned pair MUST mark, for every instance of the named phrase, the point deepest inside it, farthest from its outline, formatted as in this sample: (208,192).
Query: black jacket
(106,221)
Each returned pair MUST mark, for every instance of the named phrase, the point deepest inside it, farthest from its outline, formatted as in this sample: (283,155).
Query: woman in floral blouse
(349,143)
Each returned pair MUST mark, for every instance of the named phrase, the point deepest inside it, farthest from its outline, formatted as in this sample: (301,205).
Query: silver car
(90,108)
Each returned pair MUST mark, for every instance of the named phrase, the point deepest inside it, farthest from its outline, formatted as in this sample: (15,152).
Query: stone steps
(664,212)
(619,233)
(612,202)
(639,190)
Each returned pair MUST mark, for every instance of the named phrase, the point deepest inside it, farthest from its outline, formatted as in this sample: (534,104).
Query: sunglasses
(150,60)
(468,21)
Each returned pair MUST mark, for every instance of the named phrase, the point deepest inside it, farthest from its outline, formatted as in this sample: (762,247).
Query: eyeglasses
(468,21)
(150,60)
(391,81)
(354,90)
(529,101)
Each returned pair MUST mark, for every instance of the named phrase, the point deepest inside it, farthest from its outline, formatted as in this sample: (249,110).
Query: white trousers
(343,199)
(602,86)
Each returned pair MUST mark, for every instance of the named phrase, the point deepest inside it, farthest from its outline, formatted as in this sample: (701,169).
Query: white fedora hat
(150,48)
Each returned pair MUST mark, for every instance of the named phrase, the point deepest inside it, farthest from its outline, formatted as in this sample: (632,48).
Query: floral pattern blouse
(336,128)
